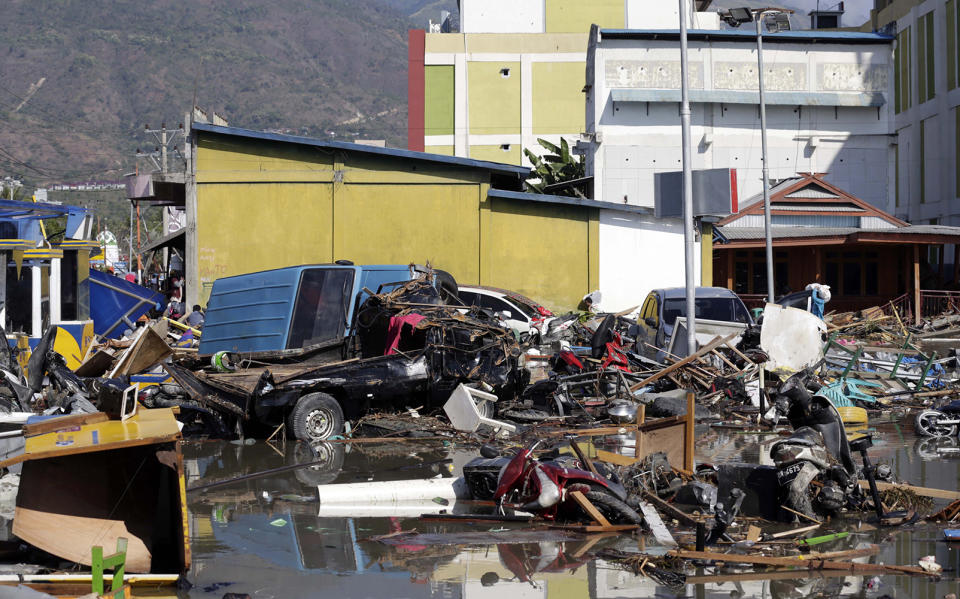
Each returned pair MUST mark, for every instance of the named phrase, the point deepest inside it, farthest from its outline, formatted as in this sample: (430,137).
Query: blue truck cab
(288,310)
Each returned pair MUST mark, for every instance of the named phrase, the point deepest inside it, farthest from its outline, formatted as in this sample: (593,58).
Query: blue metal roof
(748,34)
(17,210)
(552,199)
(511,169)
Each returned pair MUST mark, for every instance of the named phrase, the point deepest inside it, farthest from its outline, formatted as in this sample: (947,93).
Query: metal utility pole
(688,236)
(758,17)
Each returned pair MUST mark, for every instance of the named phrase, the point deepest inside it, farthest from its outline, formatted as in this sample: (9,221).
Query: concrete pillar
(55,298)
(36,318)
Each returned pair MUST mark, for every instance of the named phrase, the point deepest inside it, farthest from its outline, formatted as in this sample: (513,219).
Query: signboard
(714,193)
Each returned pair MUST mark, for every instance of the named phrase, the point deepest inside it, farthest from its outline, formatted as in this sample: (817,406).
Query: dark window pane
(320,313)
(851,278)
(832,275)
(851,254)
(759,277)
(780,278)
(468,298)
(872,277)
(832,254)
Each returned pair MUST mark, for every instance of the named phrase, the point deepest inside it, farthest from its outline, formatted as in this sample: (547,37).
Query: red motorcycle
(543,487)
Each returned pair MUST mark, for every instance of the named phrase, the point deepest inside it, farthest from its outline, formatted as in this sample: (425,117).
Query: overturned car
(409,347)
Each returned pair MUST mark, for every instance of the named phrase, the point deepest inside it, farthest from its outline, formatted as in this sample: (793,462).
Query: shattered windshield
(321,310)
(726,309)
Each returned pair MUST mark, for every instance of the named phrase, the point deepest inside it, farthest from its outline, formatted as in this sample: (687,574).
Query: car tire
(315,417)
(614,510)
(330,462)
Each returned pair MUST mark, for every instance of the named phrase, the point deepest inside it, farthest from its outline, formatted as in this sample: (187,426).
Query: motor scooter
(819,451)
(940,422)
(543,487)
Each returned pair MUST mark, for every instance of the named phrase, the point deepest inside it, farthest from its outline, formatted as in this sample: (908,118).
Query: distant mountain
(80,78)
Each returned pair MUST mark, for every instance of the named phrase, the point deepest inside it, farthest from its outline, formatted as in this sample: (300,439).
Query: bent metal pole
(688,238)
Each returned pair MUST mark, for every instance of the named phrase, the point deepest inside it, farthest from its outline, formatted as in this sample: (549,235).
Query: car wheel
(316,417)
(329,458)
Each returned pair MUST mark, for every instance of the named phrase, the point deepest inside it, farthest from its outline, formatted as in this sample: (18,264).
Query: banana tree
(559,165)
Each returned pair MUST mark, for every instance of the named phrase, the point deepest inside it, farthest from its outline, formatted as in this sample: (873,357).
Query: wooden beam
(688,434)
(588,507)
(922,491)
(812,564)
(717,342)
(62,422)
(956,263)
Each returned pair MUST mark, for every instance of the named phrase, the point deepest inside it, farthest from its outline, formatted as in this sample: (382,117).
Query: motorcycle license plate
(786,475)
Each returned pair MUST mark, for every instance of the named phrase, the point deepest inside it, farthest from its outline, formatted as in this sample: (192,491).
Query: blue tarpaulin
(115,303)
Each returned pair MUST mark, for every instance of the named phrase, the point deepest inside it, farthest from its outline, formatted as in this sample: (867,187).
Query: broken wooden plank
(61,422)
(615,458)
(691,358)
(588,507)
(810,564)
(584,459)
(657,527)
(669,510)
(922,491)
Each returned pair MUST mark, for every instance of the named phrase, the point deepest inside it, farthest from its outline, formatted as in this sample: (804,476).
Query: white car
(523,315)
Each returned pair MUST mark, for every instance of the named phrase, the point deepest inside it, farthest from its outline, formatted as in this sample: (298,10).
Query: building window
(853,273)
(901,72)
(925,59)
(750,272)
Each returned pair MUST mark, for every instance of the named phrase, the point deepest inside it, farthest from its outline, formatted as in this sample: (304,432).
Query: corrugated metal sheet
(797,220)
(809,193)
(784,232)
(875,223)
(746,233)
(817,207)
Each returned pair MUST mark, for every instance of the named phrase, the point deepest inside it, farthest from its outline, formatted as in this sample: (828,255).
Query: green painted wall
(264,205)
(576,16)
(496,153)
(558,98)
(494,97)
(445,150)
(438,100)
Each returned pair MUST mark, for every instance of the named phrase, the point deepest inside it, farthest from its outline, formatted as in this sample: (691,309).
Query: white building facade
(926,108)
(829,99)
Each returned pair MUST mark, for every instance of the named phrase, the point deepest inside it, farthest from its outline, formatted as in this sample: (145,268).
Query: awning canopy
(177,239)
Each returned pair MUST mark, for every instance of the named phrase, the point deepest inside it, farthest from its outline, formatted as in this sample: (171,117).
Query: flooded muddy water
(265,536)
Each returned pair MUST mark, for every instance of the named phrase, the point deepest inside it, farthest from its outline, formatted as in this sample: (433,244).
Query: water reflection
(262,535)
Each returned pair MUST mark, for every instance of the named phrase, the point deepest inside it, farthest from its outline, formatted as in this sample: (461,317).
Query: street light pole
(758,17)
(688,237)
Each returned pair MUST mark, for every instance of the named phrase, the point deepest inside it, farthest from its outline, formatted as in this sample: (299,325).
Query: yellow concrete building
(259,201)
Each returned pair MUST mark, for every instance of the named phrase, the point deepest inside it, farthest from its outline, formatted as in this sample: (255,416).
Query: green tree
(559,165)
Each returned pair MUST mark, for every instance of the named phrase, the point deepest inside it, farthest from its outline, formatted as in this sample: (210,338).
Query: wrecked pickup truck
(408,347)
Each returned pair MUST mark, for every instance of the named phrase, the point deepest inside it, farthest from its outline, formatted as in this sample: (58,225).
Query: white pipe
(36,318)
(394,492)
(55,306)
